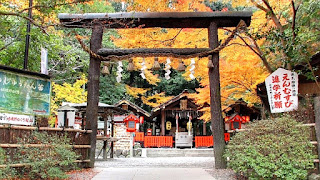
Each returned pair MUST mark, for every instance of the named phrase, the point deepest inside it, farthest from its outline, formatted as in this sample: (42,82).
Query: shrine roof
(102,107)
(184,93)
(134,106)
(156,19)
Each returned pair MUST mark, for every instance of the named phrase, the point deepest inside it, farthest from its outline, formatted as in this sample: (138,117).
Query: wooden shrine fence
(9,135)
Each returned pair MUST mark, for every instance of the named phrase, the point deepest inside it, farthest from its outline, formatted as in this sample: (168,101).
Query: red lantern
(131,121)
(141,118)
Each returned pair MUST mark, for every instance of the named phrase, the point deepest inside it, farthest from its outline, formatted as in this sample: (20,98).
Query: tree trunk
(93,90)
(217,122)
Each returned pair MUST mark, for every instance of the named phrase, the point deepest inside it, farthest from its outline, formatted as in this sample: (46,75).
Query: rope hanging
(240,26)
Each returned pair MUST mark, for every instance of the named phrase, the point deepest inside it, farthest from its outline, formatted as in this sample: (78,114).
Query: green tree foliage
(67,60)
(110,90)
(269,149)
(290,33)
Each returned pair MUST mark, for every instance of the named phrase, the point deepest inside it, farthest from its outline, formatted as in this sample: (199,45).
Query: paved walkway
(161,168)
(153,174)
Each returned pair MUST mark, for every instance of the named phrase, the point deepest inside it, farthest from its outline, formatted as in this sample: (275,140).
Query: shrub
(7,172)
(272,149)
(49,161)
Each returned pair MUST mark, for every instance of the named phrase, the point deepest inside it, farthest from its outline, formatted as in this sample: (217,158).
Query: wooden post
(215,100)
(204,127)
(83,120)
(65,120)
(163,119)
(112,135)
(105,131)
(93,90)
(317,121)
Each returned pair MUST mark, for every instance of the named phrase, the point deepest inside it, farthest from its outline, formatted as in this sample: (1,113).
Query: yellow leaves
(160,38)
(74,93)
(166,6)
(155,100)
(206,114)
(135,92)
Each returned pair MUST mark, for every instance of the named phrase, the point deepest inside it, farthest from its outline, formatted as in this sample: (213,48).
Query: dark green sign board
(24,94)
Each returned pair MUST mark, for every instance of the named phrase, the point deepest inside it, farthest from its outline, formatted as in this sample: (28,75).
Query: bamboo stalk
(309,124)
(40,145)
(66,129)
(15,165)
(82,161)
(28,164)
(43,128)
(314,142)
(81,146)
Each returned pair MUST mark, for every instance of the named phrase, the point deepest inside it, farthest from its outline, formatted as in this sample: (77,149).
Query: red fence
(139,136)
(207,141)
(158,141)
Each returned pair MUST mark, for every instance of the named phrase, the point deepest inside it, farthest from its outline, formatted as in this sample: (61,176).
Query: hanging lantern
(181,66)
(210,64)
(130,65)
(156,65)
(105,69)
(141,119)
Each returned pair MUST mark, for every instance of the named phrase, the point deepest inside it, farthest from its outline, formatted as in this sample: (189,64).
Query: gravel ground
(83,174)
(206,163)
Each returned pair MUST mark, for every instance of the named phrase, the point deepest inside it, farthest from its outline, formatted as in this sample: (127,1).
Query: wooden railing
(204,141)
(9,135)
(139,136)
(158,141)
(207,141)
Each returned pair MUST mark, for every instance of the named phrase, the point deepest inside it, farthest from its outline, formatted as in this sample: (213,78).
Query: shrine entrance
(209,20)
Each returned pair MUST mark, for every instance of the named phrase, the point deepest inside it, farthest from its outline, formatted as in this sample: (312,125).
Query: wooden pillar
(263,112)
(204,128)
(93,90)
(317,121)
(163,119)
(112,135)
(105,131)
(215,100)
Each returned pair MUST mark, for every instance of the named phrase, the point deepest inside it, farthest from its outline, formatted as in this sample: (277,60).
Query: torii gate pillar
(217,123)
(93,89)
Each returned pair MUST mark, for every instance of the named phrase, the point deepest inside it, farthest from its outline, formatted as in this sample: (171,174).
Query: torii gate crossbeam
(210,20)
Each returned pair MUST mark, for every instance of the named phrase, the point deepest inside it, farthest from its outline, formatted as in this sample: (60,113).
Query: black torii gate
(210,20)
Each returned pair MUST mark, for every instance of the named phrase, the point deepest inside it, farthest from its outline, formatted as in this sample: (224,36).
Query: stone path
(168,168)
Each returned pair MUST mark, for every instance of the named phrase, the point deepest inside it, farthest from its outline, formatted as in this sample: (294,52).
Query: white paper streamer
(192,67)
(119,70)
(143,67)
(167,69)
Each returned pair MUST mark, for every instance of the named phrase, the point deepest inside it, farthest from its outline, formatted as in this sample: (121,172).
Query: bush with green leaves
(50,160)
(6,172)
(272,149)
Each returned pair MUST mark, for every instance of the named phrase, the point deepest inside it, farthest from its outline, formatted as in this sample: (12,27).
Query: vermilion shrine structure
(209,20)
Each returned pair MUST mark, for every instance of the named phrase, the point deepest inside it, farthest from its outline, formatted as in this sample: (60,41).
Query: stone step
(166,152)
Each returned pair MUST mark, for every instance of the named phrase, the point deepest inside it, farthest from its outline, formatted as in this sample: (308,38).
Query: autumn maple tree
(240,67)
(67,92)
